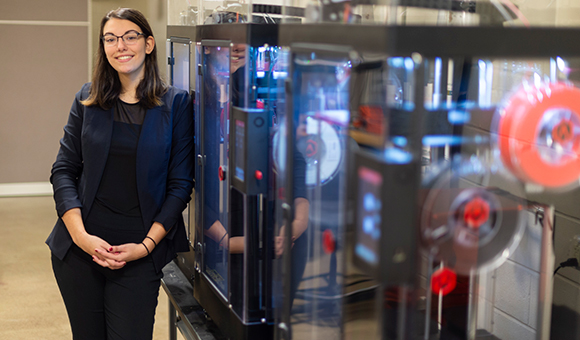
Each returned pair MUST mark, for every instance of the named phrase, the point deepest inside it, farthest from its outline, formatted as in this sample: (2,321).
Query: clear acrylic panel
(199,229)
(279,272)
(379,84)
(180,75)
(263,78)
(242,71)
(278,137)
(180,78)
(251,215)
(215,92)
(317,154)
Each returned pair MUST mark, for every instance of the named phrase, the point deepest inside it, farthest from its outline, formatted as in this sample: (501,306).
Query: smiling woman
(122,177)
(127,54)
(123,60)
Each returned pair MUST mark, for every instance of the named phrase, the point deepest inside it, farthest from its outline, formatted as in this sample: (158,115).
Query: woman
(121,179)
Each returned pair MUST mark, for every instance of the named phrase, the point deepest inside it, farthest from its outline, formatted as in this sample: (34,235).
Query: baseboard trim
(25,189)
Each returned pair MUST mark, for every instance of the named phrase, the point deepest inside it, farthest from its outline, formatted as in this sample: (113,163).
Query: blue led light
(365,253)
(370,202)
(442,140)
(409,64)
(368,225)
(467,105)
(397,62)
(400,141)
(457,117)
(408,106)
(397,156)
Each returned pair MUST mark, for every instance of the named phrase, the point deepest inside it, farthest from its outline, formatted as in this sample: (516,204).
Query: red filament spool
(521,140)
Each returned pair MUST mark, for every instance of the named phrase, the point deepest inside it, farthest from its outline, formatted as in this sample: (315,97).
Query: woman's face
(128,60)
(238,58)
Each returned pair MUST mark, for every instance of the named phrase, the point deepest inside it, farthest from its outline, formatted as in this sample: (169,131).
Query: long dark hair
(106,86)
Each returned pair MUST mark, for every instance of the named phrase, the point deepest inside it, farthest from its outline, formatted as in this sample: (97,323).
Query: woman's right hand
(96,247)
(90,244)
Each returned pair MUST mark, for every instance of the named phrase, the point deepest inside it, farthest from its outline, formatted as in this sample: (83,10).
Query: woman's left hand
(118,256)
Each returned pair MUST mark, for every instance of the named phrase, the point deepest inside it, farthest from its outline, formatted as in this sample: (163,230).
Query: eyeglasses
(129,38)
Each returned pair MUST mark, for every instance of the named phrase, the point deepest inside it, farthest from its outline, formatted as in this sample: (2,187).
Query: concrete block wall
(508,301)
(509,74)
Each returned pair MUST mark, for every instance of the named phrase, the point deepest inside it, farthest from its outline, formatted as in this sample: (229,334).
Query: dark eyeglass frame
(110,35)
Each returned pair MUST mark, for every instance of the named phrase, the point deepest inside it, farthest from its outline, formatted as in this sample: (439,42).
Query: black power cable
(571,262)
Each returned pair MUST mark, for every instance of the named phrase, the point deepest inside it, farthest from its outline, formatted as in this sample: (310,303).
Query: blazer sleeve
(181,166)
(68,166)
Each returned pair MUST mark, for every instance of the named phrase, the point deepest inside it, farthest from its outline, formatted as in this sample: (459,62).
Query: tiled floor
(30,303)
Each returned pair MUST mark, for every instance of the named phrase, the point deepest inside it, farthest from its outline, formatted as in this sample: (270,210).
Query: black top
(116,216)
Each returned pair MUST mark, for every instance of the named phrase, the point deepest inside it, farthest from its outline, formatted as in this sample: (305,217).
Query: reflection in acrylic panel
(216,77)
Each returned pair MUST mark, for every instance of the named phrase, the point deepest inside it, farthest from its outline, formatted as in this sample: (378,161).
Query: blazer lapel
(97,133)
(153,154)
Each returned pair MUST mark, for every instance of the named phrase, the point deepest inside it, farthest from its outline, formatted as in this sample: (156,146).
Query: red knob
(222,173)
(476,212)
(258,174)
(443,281)
(328,241)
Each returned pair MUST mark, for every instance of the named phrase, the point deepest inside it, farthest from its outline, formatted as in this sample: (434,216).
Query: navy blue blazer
(164,168)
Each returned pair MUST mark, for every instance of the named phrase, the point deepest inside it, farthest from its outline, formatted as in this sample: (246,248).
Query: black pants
(105,304)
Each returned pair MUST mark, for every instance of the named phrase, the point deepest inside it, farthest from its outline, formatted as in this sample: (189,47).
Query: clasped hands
(112,257)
